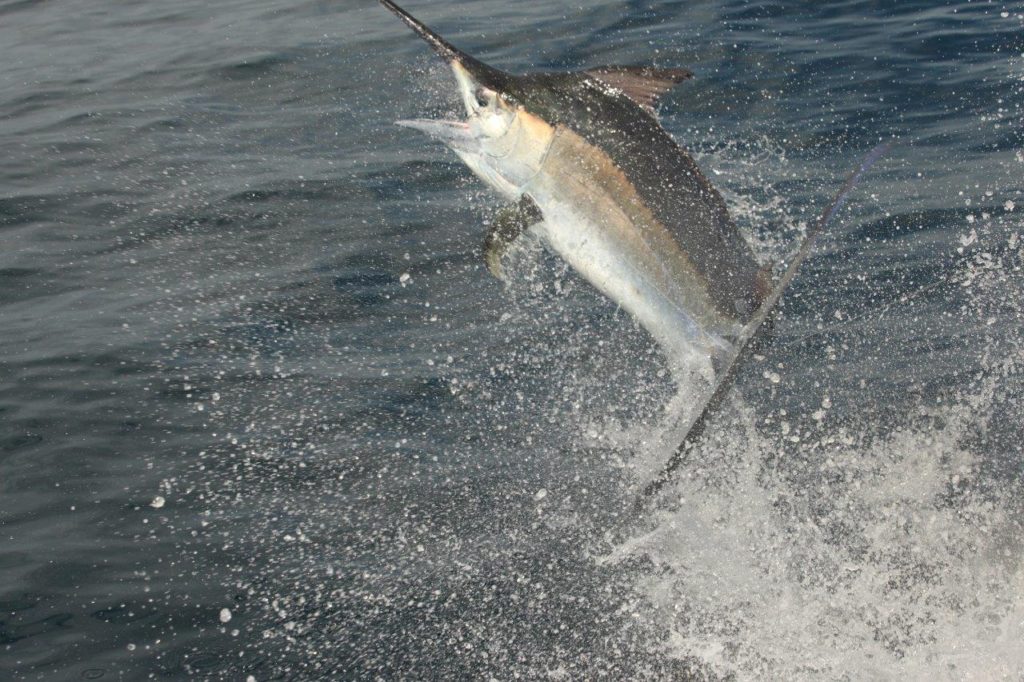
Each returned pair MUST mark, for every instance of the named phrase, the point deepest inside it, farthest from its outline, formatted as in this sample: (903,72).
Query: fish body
(612,193)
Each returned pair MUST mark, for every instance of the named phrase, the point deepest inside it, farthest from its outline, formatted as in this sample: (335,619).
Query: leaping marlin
(591,171)
(593,174)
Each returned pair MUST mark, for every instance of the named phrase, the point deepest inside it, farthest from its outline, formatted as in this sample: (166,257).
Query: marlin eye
(481,98)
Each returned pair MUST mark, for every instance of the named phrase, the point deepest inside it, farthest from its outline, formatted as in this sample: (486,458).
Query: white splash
(857,554)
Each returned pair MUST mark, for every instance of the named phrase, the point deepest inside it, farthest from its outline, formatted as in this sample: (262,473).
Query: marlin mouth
(471,75)
(456,134)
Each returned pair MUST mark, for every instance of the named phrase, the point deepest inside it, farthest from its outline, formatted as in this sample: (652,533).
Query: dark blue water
(263,411)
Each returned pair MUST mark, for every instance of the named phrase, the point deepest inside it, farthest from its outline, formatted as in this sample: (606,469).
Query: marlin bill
(588,169)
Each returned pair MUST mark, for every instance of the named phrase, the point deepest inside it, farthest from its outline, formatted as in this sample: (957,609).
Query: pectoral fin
(642,84)
(506,227)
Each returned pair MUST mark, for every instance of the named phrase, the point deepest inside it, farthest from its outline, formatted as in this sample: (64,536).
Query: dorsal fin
(642,84)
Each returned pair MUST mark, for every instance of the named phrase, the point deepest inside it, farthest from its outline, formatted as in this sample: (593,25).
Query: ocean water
(265,415)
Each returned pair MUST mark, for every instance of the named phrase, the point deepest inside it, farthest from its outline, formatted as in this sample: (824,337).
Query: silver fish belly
(597,222)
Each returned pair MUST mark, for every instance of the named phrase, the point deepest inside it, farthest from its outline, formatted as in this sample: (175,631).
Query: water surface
(251,358)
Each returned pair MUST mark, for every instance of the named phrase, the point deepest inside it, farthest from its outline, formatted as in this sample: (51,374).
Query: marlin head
(498,140)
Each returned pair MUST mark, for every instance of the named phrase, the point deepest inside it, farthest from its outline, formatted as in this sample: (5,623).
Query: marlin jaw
(489,116)
(491,141)
(456,134)
(463,136)
(497,141)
